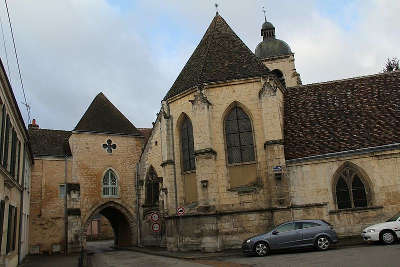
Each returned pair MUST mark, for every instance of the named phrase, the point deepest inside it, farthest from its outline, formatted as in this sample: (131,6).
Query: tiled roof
(103,117)
(45,142)
(342,115)
(146,132)
(220,56)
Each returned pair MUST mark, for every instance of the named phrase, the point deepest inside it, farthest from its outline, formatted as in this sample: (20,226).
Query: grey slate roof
(45,142)
(342,115)
(103,117)
(220,56)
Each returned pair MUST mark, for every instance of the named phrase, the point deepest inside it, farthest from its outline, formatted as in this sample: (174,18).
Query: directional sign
(154,217)
(155,227)
(180,211)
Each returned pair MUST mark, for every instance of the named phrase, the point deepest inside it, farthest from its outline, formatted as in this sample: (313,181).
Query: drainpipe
(65,206)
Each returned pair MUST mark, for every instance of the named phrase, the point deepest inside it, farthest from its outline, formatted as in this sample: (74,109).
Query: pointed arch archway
(121,219)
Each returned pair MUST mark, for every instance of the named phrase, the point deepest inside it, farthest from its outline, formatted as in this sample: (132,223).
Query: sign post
(180,211)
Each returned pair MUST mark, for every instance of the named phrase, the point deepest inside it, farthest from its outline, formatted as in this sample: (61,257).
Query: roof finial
(216,7)
(265,16)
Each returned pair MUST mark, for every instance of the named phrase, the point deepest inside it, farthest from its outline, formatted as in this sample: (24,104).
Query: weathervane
(265,12)
(216,7)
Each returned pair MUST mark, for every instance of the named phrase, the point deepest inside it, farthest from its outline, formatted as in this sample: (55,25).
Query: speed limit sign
(155,227)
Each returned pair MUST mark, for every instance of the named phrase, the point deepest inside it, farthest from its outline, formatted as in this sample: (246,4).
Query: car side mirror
(275,232)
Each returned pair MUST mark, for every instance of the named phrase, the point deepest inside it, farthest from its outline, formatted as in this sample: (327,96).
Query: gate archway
(121,220)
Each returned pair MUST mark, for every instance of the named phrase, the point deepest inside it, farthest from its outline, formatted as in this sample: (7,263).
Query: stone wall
(313,182)
(287,66)
(47,205)
(90,163)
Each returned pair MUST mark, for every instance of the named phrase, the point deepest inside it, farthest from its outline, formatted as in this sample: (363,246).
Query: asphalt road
(365,256)
(370,255)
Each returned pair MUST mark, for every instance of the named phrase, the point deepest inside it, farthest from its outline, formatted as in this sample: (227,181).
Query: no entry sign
(180,211)
(154,217)
(155,227)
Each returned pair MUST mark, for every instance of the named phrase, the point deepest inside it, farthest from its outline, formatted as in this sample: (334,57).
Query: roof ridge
(347,79)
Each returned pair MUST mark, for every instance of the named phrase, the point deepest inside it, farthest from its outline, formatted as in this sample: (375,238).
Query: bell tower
(277,56)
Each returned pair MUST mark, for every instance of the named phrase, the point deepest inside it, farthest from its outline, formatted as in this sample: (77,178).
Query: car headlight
(371,231)
(248,241)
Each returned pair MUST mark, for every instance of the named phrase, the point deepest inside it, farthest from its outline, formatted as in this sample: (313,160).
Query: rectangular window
(2,206)
(2,126)
(62,191)
(6,138)
(13,152)
(18,160)
(11,230)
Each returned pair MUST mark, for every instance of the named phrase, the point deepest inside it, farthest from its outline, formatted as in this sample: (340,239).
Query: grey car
(301,233)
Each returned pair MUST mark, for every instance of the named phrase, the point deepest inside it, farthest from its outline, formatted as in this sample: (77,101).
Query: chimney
(33,125)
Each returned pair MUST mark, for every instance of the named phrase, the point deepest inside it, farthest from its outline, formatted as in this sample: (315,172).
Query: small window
(310,225)
(62,191)
(285,227)
(110,184)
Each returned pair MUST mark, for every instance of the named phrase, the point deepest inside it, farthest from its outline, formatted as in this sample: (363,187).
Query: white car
(387,232)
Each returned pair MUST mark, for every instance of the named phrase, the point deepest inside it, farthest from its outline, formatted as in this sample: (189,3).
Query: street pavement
(103,255)
(365,256)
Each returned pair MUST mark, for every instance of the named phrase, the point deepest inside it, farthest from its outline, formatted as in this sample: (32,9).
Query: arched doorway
(121,220)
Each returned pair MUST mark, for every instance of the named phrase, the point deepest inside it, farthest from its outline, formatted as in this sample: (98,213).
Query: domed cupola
(270,46)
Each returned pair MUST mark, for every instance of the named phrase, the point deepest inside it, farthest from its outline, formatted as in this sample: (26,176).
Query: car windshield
(394,218)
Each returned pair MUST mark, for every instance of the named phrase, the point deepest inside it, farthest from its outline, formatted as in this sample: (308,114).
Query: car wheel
(261,249)
(322,243)
(387,237)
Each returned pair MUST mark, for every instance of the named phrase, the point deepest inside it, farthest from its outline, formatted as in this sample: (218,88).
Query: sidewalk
(51,261)
(196,255)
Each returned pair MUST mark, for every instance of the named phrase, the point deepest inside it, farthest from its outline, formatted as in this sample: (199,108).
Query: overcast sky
(132,51)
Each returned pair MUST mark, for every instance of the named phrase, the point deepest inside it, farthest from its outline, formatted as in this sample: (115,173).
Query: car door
(285,236)
(310,230)
(397,227)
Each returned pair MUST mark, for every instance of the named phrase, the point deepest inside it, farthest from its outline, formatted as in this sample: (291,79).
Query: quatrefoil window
(109,146)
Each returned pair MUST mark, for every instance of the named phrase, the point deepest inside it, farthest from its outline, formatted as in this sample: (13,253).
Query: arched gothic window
(110,184)
(152,188)
(187,145)
(350,189)
(239,137)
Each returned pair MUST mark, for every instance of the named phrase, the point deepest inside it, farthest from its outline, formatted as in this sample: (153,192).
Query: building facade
(243,147)
(82,175)
(239,146)
(16,161)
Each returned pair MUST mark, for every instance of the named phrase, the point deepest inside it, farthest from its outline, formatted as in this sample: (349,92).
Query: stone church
(239,145)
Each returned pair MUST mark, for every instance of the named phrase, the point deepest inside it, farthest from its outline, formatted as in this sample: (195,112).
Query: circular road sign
(154,217)
(155,227)
(180,211)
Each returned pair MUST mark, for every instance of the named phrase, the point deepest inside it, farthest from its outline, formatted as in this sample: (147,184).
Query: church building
(239,145)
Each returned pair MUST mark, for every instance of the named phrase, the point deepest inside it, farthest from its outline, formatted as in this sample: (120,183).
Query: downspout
(65,206)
